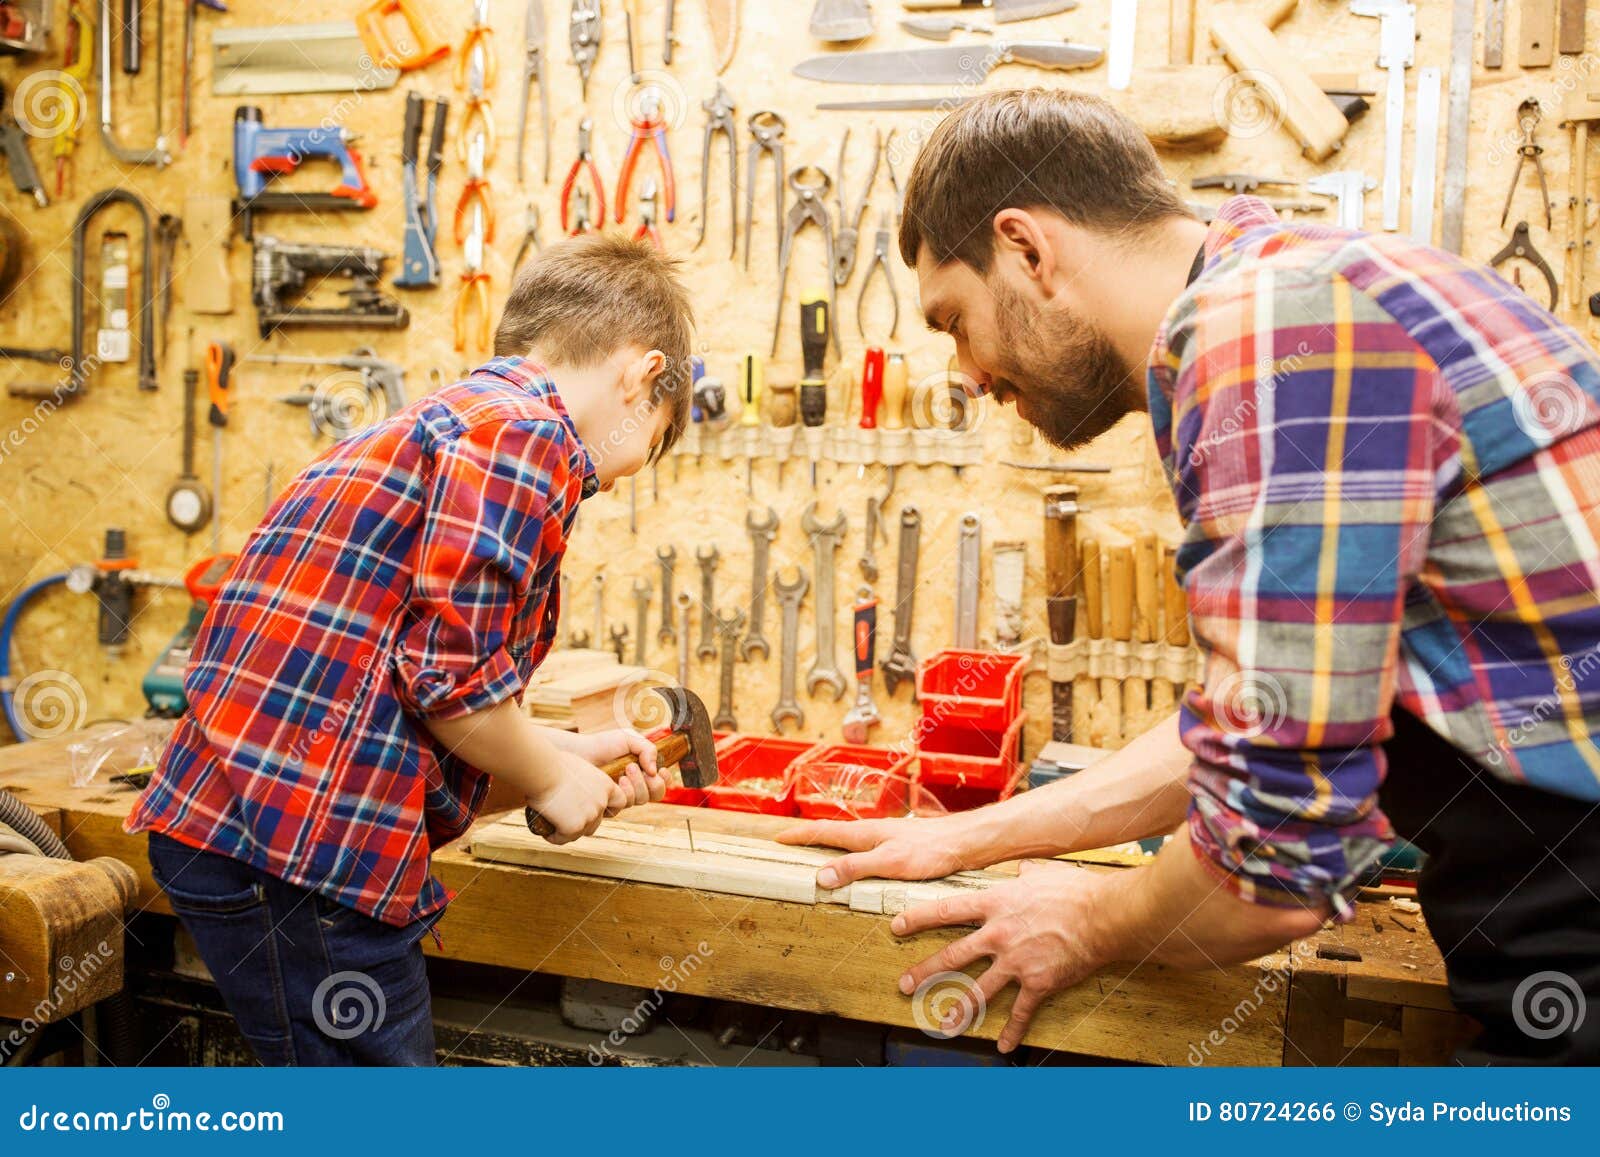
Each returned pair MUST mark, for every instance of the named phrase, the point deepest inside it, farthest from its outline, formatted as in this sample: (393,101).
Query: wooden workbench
(1296,1007)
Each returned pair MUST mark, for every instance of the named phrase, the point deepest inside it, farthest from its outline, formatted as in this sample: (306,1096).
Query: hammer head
(698,768)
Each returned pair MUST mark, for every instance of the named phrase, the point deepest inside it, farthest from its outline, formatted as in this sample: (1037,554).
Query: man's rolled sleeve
(1300,433)
(494,490)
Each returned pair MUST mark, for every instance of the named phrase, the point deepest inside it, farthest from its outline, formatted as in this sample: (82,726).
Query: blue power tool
(260,153)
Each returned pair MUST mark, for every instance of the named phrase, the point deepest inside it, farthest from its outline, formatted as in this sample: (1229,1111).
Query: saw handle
(671,750)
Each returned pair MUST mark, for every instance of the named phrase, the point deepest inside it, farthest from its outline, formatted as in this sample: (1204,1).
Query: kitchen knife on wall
(950,64)
(1005,11)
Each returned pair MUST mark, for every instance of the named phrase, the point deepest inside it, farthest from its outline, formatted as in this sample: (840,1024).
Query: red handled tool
(871,387)
(585,161)
(648,123)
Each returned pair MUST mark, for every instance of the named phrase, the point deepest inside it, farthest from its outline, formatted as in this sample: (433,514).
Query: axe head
(698,767)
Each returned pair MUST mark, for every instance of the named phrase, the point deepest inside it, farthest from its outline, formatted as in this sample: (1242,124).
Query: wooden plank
(1537,37)
(1247,43)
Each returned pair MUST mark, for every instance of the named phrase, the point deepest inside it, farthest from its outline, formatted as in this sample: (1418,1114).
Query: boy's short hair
(585,297)
(1027,149)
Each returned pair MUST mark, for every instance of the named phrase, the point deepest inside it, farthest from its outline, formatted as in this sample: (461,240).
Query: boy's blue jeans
(309,981)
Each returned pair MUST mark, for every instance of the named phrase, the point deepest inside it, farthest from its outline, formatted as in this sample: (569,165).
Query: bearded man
(1387,462)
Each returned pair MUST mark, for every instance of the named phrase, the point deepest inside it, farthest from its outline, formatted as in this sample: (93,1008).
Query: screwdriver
(896,379)
(814,322)
(219,370)
(871,394)
(752,380)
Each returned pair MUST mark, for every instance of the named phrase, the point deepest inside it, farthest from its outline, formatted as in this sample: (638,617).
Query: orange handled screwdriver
(219,372)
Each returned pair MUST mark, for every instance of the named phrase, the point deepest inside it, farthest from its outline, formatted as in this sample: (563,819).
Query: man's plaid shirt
(1387,459)
(409,572)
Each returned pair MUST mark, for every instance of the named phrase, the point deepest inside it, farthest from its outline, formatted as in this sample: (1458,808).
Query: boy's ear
(639,376)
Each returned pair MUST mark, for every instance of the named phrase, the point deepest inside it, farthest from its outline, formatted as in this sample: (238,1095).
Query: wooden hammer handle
(670,751)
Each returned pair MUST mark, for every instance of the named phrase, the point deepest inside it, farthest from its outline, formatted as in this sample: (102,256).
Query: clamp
(1528,116)
(585,160)
(811,186)
(846,242)
(648,123)
(880,260)
(1521,245)
(719,119)
(766,136)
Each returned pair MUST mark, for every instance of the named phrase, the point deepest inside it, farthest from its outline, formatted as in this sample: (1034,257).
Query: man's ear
(639,374)
(1020,237)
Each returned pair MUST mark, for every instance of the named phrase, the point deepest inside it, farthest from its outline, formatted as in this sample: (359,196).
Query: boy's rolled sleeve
(1301,454)
(495,489)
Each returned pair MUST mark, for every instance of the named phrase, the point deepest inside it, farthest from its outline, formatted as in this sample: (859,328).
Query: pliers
(474,289)
(479,36)
(848,239)
(880,260)
(766,135)
(719,119)
(810,185)
(477,116)
(530,236)
(475,193)
(585,160)
(648,123)
(647,215)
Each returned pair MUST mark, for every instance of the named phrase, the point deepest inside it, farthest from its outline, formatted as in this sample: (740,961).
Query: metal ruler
(1494,35)
(1455,147)
(1425,155)
(968,546)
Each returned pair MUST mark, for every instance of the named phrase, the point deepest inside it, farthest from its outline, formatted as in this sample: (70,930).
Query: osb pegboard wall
(109,458)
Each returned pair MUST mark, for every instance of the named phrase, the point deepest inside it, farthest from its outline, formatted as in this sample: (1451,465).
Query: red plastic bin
(948,753)
(676,792)
(937,799)
(744,758)
(971,688)
(828,767)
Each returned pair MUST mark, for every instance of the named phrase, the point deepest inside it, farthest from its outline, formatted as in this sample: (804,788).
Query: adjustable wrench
(683,602)
(667,556)
(861,718)
(707,649)
(868,562)
(968,546)
(599,607)
(901,663)
(789,596)
(825,542)
(761,536)
(728,627)
(641,618)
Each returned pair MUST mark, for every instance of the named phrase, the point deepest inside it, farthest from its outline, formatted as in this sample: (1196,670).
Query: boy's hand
(581,796)
(643,782)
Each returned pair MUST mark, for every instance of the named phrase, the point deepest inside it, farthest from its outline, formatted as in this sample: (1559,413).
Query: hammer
(688,744)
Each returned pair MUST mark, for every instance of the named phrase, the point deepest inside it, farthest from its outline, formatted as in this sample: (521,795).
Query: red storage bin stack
(676,792)
(969,736)
(754,774)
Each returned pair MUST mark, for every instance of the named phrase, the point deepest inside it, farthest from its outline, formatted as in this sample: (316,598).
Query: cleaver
(1005,11)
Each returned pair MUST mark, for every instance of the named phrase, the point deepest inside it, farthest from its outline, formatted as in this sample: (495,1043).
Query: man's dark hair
(1028,149)
(584,298)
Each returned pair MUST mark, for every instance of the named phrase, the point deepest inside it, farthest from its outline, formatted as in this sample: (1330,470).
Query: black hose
(18,815)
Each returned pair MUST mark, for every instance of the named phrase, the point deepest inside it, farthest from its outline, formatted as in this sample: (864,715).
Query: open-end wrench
(968,546)
(901,663)
(599,607)
(683,602)
(868,562)
(728,626)
(707,648)
(789,596)
(761,536)
(667,556)
(641,618)
(619,642)
(825,542)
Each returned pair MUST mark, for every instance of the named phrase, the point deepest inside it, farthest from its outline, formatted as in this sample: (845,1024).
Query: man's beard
(1068,380)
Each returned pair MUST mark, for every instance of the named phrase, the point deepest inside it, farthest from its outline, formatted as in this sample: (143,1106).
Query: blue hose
(7,627)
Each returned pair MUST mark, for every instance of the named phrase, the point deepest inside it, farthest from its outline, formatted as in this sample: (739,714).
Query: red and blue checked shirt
(1387,460)
(409,572)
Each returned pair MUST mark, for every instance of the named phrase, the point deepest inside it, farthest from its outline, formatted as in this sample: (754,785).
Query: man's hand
(1039,931)
(643,781)
(906,849)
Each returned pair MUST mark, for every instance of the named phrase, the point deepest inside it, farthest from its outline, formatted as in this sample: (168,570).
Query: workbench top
(1294,1007)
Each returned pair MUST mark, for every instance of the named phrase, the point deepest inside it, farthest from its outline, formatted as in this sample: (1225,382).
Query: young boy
(356,679)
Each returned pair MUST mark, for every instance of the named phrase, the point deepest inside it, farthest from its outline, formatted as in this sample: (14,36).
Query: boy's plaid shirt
(1387,459)
(410,571)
